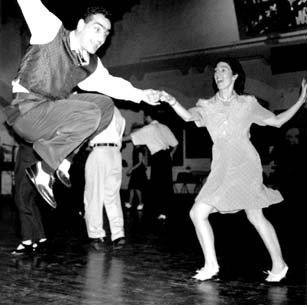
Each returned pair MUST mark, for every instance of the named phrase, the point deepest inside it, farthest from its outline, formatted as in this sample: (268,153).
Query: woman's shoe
(205,274)
(277,277)
(128,205)
(140,207)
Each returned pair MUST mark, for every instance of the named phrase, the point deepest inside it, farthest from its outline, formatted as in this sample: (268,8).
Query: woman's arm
(172,152)
(178,108)
(285,116)
(140,162)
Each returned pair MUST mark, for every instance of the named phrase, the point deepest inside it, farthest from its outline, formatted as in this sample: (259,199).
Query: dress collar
(228,100)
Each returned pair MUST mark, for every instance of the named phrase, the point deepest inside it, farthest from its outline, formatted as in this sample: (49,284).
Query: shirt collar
(83,56)
(74,44)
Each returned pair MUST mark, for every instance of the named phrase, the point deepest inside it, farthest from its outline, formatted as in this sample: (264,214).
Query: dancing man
(44,110)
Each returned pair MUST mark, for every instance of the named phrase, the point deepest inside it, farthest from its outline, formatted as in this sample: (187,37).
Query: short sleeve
(170,138)
(199,113)
(258,113)
(141,136)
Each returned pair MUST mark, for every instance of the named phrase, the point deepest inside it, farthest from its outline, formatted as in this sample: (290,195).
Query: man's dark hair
(94,10)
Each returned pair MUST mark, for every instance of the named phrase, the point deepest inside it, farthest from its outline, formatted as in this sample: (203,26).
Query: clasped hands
(154,97)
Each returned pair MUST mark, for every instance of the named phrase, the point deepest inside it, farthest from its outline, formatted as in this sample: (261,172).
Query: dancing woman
(235,181)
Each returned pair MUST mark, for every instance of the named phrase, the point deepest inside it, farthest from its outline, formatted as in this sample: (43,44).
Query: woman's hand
(166,97)
(151,97)
(285,116)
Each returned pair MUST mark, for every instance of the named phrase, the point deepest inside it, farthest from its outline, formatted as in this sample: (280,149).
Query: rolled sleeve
(103,82)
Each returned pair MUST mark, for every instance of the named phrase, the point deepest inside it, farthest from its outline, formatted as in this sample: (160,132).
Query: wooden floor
(156,265)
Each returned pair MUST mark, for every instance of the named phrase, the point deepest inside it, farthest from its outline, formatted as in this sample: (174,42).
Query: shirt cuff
(139,96)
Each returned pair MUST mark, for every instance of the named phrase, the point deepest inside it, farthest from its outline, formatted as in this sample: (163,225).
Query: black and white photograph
(153,152)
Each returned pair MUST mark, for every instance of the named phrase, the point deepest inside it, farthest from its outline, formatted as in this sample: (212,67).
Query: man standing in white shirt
(44,111)
(103,177)
(162,144)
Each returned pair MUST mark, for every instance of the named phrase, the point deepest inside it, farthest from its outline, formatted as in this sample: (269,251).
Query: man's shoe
(63,178)
(97,240)
(98,243)
(24,249)
(119,242)
(44,188)
(42,247)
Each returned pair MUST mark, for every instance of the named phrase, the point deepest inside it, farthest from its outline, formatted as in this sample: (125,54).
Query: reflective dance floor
(156,264)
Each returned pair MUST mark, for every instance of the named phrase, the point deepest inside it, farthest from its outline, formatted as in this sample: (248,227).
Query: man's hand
(152,97)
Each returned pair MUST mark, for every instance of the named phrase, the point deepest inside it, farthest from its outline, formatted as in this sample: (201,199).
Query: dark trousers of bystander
(26,197)
(161,184)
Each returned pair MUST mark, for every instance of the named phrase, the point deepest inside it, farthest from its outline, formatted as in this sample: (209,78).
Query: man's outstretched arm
(103,82)
(42,24)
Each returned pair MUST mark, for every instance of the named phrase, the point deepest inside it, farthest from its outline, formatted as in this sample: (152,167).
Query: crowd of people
(53,122)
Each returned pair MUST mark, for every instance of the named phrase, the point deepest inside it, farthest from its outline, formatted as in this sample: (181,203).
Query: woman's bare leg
(131,197)
(139,196)
(269,237)
(199,215)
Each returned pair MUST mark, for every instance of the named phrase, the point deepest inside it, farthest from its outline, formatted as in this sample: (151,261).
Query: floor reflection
(154,268)
(103,275)
(210,293)
(277,295)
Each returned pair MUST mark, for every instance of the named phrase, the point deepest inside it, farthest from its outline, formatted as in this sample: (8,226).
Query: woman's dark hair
(94,10)
(236,68)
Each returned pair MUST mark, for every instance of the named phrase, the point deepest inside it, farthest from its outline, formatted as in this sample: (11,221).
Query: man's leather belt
(104,144)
